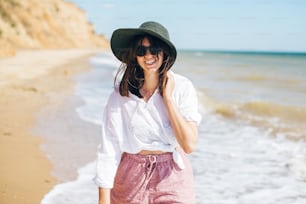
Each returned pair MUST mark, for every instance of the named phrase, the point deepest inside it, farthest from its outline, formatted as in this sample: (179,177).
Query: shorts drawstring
(150,165)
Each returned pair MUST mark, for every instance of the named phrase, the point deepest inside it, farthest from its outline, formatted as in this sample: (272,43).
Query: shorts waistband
(167,156)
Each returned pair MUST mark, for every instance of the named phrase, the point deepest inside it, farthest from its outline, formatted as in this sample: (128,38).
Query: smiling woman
(146,124)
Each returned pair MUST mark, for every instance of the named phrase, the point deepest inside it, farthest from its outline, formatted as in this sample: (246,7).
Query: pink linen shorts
(148,179)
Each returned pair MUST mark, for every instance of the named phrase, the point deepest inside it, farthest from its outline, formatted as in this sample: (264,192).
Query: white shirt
(130,125)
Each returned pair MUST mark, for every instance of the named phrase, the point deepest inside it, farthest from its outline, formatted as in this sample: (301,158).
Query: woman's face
(150,62)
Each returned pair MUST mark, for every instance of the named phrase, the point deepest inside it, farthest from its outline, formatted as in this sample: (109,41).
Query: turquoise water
(250,147)
(277,77)
(268,89)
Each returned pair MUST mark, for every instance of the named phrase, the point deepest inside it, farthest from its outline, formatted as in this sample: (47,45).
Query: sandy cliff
(44,24)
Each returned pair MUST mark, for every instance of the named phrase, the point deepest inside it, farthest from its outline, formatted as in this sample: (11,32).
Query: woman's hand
(104,196)
(186,132)
(168,86)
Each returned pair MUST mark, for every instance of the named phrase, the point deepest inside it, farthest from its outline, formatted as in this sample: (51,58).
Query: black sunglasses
(142,50)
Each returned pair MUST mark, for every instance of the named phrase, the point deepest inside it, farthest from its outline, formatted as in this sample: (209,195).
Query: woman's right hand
(104,196)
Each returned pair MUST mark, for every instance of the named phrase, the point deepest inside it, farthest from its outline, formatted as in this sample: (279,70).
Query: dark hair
(133,76)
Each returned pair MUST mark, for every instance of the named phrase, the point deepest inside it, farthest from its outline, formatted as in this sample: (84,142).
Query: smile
(150,62)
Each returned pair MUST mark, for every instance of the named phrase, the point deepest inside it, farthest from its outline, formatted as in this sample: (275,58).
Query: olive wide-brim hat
(121,38)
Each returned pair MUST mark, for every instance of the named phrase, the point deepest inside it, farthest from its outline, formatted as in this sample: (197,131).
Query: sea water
(252,136)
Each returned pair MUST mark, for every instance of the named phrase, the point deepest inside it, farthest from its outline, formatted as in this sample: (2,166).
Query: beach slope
(26,83)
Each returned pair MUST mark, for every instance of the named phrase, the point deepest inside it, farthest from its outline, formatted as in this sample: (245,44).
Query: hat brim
(121,38)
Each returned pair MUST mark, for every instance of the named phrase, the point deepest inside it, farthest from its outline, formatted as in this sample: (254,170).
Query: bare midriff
(145,152)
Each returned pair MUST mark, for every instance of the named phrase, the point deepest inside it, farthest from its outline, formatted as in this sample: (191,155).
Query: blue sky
(255,25)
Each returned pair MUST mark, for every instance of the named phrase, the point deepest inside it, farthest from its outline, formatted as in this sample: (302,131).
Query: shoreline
(70,142)
(31,82)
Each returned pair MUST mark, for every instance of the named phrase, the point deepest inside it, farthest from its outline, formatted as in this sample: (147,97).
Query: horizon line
(243,51)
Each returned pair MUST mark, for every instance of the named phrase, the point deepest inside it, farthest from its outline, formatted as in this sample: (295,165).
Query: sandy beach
(30,82)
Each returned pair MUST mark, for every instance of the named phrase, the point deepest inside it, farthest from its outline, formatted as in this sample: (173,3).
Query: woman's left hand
(168,86)
(186,132)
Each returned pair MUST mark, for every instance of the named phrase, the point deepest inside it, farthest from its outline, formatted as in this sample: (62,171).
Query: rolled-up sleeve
(109,153)
(188,101)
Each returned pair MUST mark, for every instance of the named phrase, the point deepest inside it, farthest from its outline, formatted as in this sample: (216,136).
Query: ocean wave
(105,58)
(285,112)
(297,167)
(252,78)
(277,118)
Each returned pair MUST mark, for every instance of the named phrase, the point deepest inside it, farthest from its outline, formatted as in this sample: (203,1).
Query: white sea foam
(82,190)
(96,87)
(105,58)
(237,163)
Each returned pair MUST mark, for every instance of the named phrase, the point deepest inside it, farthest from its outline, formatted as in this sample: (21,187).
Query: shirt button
(130,127)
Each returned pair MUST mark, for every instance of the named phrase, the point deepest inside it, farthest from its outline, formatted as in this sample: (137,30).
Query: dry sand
(30,81)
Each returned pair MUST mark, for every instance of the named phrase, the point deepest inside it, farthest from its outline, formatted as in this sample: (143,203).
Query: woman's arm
(104,196)
(108,153)
(186,132)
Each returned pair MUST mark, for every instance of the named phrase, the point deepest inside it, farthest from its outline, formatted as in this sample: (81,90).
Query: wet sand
(35,87)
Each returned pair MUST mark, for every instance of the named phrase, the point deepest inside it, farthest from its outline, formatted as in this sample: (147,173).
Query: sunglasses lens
(142,50)
(153,50)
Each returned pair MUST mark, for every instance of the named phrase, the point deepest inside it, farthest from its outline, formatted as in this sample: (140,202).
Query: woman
(149,123)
